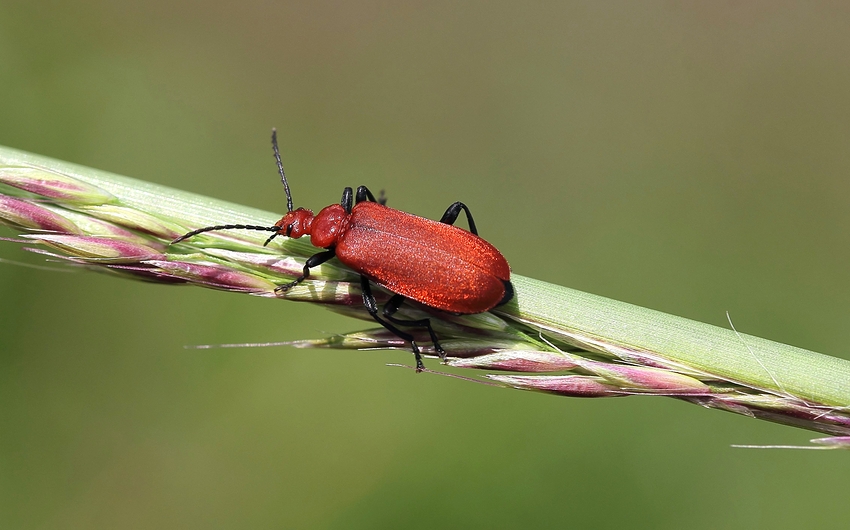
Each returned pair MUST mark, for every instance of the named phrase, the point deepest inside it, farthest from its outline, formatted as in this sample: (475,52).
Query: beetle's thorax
(328,225)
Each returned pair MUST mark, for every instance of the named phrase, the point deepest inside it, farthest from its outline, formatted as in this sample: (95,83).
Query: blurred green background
(690,157)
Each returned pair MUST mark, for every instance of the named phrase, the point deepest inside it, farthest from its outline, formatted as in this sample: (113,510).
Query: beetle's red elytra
(431,262)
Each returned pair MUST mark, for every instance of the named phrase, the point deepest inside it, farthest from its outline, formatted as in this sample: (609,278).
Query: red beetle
(432,262)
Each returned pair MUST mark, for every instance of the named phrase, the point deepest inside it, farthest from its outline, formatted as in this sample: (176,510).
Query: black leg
(372,308)
(347,201)
(453,212)
(313,261)
(393,306)
(363,194)
(509,293)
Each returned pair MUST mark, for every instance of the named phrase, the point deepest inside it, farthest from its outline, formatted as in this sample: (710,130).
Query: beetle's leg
(363,194)
(347,200)
(509,293)
(372,308)
(313,261)
(391,307)
(453,212)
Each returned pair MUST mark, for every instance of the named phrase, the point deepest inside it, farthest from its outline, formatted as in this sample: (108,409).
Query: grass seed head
(101,231)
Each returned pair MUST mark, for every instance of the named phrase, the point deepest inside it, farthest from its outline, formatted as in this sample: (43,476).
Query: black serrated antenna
(274,228)
(280,170)
(227,227)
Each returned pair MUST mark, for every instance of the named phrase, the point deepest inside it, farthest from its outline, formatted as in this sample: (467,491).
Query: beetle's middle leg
(372,308)
(391,307)
(363,194)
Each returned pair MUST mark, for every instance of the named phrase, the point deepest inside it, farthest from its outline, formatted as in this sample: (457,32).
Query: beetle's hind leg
(372,308)
(391,307)
(509,293)
(453,212)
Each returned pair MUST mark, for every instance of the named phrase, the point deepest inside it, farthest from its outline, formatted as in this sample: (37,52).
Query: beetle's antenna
(280,170)
(226,227)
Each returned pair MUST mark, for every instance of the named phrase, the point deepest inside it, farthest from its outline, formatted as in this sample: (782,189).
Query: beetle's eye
(288,230)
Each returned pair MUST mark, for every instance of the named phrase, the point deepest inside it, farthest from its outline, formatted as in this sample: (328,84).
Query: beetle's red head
(296,223)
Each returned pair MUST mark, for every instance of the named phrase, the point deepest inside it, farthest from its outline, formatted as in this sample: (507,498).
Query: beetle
(431,262)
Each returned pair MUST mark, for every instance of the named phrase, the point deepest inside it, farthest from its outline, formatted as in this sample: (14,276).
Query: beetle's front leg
(347,200)
(313,261)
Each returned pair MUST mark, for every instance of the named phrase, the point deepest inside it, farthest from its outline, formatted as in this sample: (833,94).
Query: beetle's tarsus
(420,366)
(287,286)
(441,352)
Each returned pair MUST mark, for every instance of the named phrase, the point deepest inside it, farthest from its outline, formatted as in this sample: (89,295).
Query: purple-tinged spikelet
(563,385)
(639,379)
(518,361)
(97,249)
(25,214)
(53,185)
(213,275)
